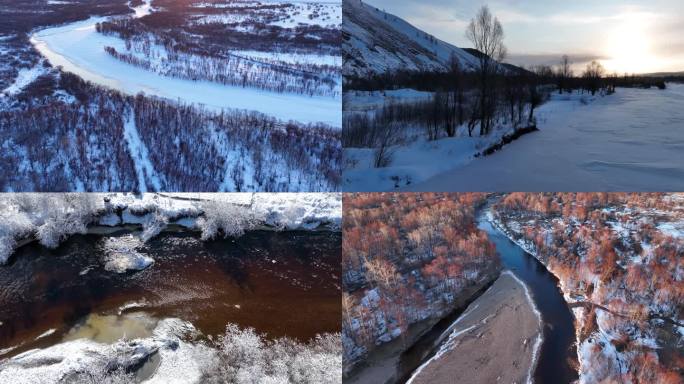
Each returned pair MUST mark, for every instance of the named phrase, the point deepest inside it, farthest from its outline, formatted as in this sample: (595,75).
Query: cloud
(528,60)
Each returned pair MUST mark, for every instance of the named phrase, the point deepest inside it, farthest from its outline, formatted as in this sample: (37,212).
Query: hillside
(376,42)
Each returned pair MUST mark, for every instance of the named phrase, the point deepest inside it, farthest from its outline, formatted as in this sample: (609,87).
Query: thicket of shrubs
(611,257)
(56,146)
(406,258)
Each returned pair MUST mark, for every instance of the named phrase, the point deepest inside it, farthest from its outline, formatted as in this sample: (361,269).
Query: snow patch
(140,155)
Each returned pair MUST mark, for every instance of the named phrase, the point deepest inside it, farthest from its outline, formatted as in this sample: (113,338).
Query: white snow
(674,229)
(25,77)
(53,364)
(122,256)
(140,155)
(46,333)
(380,42)
(628,141)
(78,48)
(53,218)
(144,9)
(291,58)
(415,162)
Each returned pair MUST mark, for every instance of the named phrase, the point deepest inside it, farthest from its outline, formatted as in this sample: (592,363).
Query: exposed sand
(495,341)
(382,364)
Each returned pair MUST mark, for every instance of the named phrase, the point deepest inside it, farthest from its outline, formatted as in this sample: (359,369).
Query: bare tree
(564,74)
(486,34)
(384,152)
(593,75)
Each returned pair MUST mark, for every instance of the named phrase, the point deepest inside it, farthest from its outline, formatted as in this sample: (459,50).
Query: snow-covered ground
(242,356)
(380,42)
(26,76)
(415,159)
(632,140)
(51,219)
(78,48)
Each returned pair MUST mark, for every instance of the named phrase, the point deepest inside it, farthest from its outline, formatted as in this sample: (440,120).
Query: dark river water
(557,349)
(280,283)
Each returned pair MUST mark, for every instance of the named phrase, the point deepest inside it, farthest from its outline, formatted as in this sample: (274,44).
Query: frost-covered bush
(13,225)
(226,218)
(154,226)
(101,375)
(51,218)
(247,357)
(59,216)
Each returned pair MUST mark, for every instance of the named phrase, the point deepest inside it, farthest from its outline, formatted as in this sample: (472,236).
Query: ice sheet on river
(78,48)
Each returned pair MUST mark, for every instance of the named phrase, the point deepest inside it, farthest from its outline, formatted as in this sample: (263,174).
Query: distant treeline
(440,81)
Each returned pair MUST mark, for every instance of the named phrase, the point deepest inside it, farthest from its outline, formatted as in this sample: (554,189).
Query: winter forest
(74,117)
(416,263)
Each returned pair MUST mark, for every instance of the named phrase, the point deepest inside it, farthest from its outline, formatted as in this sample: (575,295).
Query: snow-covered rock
(122,256)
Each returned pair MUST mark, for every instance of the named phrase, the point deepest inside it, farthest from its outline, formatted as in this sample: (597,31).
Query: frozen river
(79,49)
(630,141)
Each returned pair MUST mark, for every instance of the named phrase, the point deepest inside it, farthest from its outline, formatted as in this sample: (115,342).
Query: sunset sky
(634,37)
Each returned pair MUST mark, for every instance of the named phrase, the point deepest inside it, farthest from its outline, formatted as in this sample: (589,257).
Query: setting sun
(628,47)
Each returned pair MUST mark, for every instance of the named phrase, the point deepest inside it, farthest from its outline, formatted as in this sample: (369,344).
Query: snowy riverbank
(52,218)
(78,48)
(501,327)
(172,353)
(630,140)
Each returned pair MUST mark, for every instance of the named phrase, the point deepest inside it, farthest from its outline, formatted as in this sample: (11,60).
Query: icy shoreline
(240,355)
(51,219)
(79,49)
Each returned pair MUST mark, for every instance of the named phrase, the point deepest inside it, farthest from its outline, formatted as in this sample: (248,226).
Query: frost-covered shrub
(227,218)
(59,216)
(154,226)
(100,375)
(247,357)
(13,225)
(51,218)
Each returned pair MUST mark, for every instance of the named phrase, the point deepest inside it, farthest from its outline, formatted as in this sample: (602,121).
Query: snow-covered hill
(377,42)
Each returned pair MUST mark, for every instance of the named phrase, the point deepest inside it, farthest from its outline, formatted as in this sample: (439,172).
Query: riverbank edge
(120,216)
(96,79)
(537,343)
(530,249)
(172,227)
(387,352)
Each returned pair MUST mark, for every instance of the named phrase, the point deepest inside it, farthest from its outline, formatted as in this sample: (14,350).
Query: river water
(557,351)
(280,283)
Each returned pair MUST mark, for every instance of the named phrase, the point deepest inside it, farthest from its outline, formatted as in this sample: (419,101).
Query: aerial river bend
(557,351)
(78,48)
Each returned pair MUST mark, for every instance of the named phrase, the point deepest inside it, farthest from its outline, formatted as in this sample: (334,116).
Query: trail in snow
(143,166)
(25,77)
